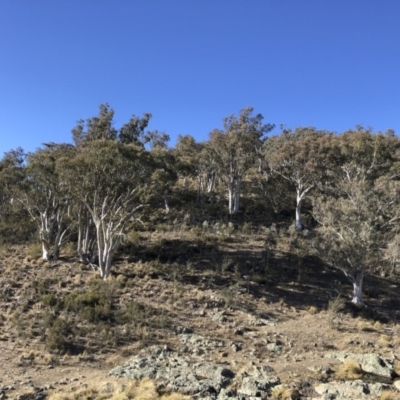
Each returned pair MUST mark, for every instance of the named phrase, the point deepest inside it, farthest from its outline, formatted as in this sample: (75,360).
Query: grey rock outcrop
(370,362)
(176,373)
(350,390)
(258,382)
(173,372)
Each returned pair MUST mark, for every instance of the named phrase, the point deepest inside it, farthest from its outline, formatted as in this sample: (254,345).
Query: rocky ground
(209,333)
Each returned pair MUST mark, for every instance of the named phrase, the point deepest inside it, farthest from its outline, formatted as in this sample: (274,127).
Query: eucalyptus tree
(163,173)
(11,167)
(234,150)
(358,216)
(109,179)
(96,128)
(134,131)
(43,196)
(354,229)
(110,174)
(300,157)
(185,152)
(13,215)
(193,161)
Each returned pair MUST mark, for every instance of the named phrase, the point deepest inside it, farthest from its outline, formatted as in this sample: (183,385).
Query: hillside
(215,295)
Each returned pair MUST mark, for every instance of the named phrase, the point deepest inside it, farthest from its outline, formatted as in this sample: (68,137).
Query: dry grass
(378,325)
(34,251)
(349,370)
(384,341)
(364,326)
(283,393)
(143,390)
(396,341)
(313,310)
(396,367)
(390,395)
(334,308)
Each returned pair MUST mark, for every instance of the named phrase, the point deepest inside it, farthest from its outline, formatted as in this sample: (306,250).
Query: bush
(349,370)
(91,306)
(58,333)
(49,300)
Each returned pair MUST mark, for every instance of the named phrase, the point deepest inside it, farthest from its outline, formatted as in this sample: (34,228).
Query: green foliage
(50,300)
(93,306)
(58,336)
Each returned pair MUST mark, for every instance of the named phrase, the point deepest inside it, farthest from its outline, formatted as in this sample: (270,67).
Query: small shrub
(334,308)
(49,300)
(349,370)
(283,393)
(57,336)
(384,341)
(121,280)
(313,310)
(69,249)
(258,278)
(377,325)
(34,251)
(228,294)
(246,228)
(364,326)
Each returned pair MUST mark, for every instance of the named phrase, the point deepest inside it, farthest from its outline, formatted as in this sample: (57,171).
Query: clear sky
(331,64)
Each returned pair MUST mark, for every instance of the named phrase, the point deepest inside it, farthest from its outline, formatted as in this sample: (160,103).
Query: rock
(274,347)
(260,322)
(236,347)
(258,383)
(176,373)
(199,344)
(370,362)
(184,330)
(324,369)
(350,390)
(239,331)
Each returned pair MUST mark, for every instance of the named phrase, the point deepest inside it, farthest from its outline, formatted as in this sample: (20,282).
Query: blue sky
(331,64)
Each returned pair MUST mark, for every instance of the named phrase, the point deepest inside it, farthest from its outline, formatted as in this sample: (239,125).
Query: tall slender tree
(300,157)
(234,150)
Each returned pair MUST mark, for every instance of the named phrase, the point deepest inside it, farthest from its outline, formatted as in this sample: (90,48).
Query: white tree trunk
(45,250)
(234,196)
(166,202)
(299,224)
(210,182)
(357,288)
(299,199)
(231,200)
(86,237)
(356,278)
(237,200)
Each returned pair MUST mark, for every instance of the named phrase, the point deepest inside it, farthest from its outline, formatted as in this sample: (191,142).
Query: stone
(176,373)
(370,362)
(350,390)
(274,348)
(258,382)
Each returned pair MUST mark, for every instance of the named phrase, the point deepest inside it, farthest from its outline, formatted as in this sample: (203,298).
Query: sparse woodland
(342,191)
(243,212)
